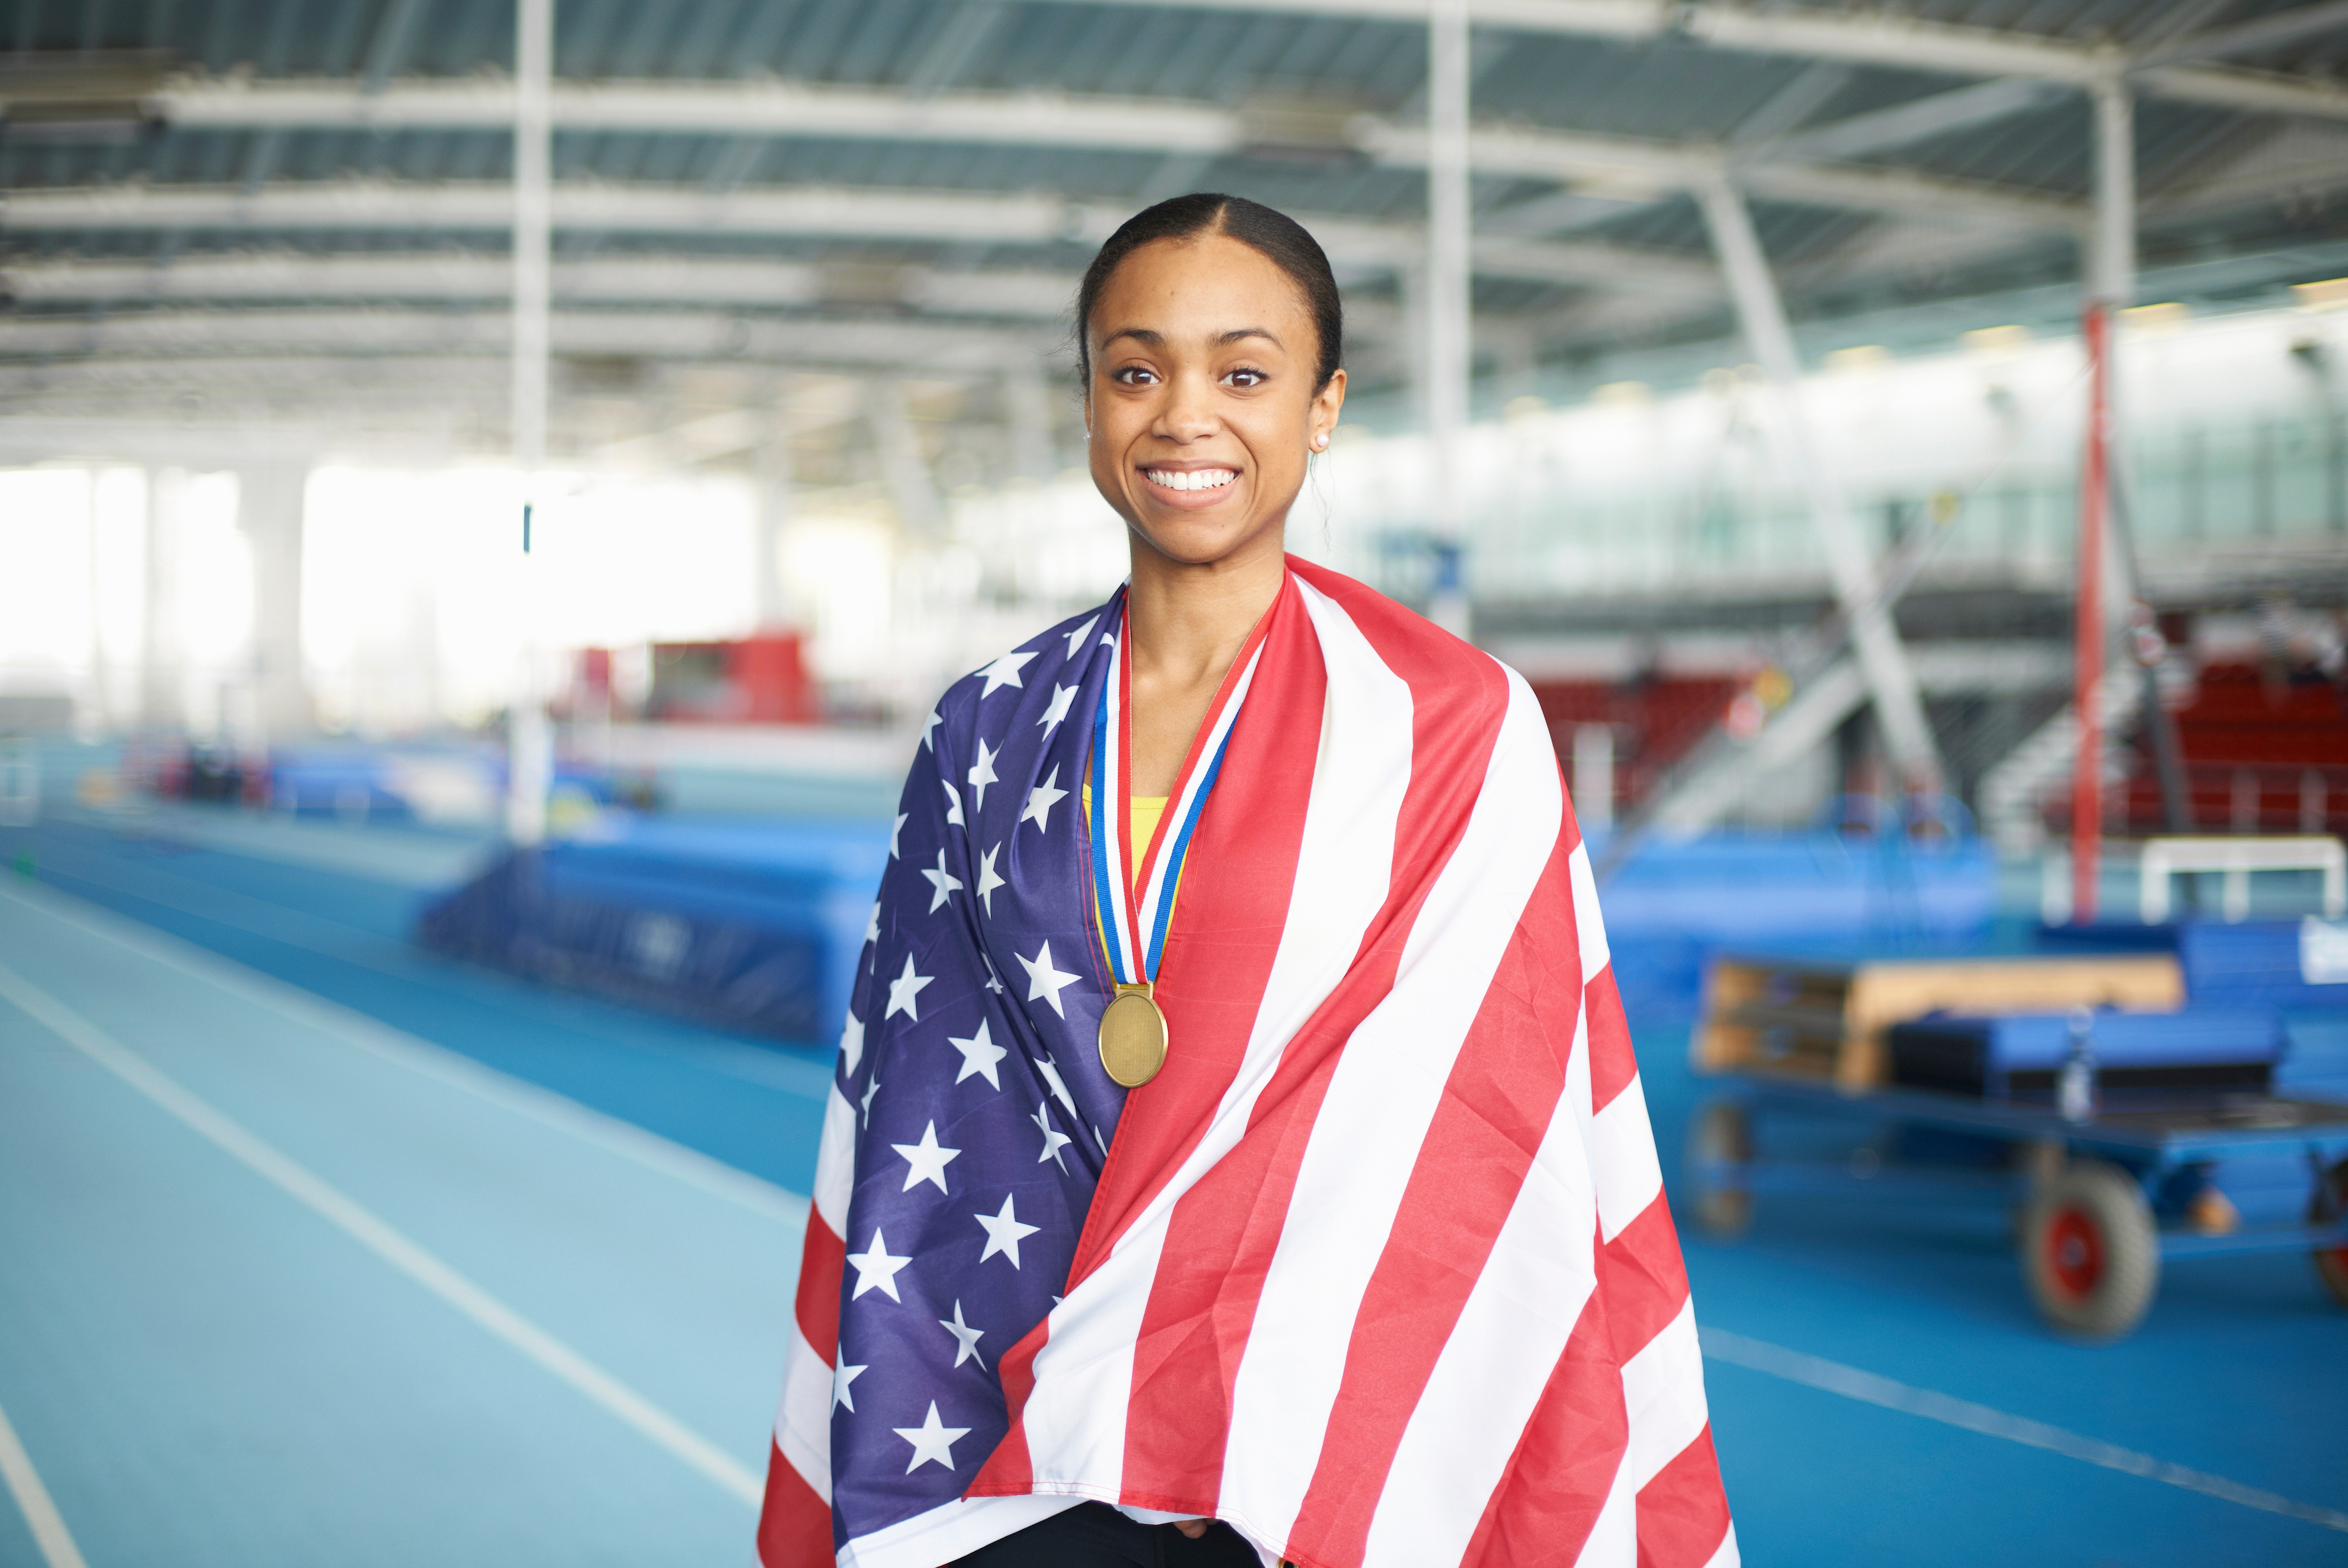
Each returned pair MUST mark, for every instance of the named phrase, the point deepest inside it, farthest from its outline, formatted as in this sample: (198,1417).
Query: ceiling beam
(932,216)
(2248,38)
(1027,294)
(1857,38)
(1159,128)
(390,334)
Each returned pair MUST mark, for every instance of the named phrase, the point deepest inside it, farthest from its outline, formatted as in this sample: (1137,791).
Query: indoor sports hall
(492,494)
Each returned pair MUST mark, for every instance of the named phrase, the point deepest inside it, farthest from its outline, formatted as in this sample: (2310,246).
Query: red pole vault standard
(2094,498)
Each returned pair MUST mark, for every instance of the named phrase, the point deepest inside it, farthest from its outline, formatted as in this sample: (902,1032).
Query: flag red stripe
(1642,1278)
(1565,1461)
(1682,1510)
(1496,1106)
(1219,954)
(1226,929)
(795,1524)
(823,1258)
(1612,1063)
(1223,1233)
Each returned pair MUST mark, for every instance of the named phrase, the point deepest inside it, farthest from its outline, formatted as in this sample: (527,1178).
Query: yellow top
(1145,810)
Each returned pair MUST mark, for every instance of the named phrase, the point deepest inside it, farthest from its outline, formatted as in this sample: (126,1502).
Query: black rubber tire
(2090,1251)
(1720,1133)
(2331,1201)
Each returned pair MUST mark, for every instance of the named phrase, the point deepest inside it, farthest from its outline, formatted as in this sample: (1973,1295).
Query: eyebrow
(1221,340)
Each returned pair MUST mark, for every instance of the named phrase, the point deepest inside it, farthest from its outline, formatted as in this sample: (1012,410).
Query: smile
(1191,480)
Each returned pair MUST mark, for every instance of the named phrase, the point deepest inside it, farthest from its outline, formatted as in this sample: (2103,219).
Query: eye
(1245,376)
(1132,374)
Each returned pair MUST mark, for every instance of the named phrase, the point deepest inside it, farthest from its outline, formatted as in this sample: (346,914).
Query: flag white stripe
(1367,1135)
(1662,1389)
(803,1419)
(834,1161)
(1622,1159)
(1589,926)
(950,1531)
(1614,1540)
(1519,1314)
(1084,1375)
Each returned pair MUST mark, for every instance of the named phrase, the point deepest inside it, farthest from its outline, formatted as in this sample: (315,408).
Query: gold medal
(1133,1036)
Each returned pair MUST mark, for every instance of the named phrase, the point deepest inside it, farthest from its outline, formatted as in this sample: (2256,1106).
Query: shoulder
(1446,675)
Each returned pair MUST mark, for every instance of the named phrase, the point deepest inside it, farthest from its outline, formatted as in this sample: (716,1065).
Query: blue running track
(316,1252)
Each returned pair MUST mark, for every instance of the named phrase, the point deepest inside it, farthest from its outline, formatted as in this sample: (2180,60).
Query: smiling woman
(1260,1125)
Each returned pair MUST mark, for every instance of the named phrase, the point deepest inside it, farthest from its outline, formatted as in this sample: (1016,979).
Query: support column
(778,496)
(1882,660)
(268,507)
(1028,404)
(1449,343)
(2111,280)
(529,743)
(905,470)
(161,703)
(532,225)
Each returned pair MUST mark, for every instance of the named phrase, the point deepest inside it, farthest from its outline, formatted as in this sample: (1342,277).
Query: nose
(1188,414)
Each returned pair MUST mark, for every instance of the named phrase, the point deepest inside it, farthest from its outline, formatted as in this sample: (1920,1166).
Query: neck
(1187,623)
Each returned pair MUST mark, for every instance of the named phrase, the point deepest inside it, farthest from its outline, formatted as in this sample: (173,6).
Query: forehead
(1204,284)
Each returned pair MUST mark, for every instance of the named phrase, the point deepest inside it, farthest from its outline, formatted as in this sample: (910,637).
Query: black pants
(1094,1535)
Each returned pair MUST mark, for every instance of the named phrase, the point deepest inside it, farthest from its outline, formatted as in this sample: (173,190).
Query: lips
(1191,479)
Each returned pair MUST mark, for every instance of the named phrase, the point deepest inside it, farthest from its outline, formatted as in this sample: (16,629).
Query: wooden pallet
(1827,1020)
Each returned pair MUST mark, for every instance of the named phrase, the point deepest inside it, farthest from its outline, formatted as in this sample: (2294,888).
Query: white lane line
(33,1500)
(1834,1378)
(394,1248)
(543,1106)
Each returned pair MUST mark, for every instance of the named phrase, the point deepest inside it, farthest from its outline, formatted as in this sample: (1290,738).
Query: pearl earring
(1319,442)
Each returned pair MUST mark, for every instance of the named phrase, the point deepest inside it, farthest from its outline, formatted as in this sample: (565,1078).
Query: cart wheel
(1722,1134)
(2089,1250)
(2330,1203)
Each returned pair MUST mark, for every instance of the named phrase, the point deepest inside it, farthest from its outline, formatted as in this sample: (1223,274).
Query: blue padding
(757,925)
(2255,961)
(1745,890)
(2196,1036)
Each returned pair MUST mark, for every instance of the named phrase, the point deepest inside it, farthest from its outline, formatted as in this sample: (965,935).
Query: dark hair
(1274,235)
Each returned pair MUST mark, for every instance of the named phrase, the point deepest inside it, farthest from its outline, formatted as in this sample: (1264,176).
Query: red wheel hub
(2075,1252)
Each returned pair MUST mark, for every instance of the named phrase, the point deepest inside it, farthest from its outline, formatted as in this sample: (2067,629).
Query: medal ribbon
(1134,910)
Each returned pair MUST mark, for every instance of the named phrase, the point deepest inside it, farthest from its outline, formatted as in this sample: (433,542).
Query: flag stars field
(944,881)
(979,1056)
(926,1161)
(932,1440)
(877,1270)
(843,1375)
(1045,983)
(987,878)
(1053,1139)
(1004,672)
(966,1338)
(904,989)
(1041,799)
(1004,1233)
(981,774)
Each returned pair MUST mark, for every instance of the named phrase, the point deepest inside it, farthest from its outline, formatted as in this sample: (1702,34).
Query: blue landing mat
(753,925)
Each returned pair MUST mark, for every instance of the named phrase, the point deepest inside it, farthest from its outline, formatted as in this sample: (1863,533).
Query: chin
(1198,542)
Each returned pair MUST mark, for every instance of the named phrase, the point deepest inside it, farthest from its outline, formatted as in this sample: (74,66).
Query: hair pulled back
(1272,235)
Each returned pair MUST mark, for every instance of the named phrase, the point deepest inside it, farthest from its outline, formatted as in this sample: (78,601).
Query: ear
(1321,418)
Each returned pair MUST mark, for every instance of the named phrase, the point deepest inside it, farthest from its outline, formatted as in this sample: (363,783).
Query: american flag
(1377,1269)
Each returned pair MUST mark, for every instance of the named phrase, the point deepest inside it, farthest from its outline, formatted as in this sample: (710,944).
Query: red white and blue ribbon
(1134,910)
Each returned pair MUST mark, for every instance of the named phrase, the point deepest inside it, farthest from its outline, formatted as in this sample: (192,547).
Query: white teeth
(1193,479)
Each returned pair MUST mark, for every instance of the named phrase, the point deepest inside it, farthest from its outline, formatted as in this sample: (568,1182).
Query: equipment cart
(2101,1198)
